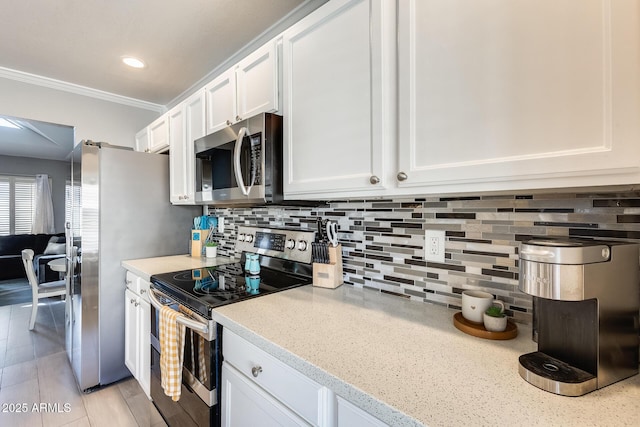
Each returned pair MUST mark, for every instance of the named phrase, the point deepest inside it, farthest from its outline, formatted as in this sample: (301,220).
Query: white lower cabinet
(350,415)
(137,330)
(246,404)
(258,389)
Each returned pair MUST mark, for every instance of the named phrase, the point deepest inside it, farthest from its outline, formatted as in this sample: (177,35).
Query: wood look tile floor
(37,386)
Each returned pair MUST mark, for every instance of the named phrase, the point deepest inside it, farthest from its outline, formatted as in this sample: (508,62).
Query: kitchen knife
(332,233)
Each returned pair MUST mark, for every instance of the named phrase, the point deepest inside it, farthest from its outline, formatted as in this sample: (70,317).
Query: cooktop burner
(203,289)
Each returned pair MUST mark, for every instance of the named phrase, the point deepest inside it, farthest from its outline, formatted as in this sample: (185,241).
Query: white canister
(474,304)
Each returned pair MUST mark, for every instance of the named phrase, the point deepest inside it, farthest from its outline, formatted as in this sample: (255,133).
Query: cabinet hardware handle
(255,371)
(132,300)
(142,291)
(228,122)
(179,197)
(238,118)
(186,197)
(402,176)
(137,303)
(374,180)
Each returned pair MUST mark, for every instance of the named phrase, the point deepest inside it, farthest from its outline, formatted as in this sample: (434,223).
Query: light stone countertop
(146,267)
(406,363)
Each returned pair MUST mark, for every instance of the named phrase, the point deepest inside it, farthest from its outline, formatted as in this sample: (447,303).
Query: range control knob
(241,237)
(302,245)
(248,238)
(291,244)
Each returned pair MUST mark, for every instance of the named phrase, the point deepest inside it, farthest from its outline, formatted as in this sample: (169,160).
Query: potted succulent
(211,249)
(494,319)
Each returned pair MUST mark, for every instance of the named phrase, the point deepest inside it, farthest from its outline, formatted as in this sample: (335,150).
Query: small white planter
(210,251)
(494,324)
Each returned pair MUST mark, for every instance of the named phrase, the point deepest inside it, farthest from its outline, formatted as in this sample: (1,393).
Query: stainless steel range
(272,260)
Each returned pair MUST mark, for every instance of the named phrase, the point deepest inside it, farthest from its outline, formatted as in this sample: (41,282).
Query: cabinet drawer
(133,282)
(289,386)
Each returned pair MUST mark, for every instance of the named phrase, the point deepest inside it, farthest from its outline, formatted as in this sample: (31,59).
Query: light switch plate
(434,245)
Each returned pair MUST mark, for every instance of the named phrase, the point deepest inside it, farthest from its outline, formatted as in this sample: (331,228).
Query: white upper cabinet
(186,124)
(257,82)
(247,89)
(502,95)
(142,140)
(491,95)
(338,74)
(159,134)
(221,101)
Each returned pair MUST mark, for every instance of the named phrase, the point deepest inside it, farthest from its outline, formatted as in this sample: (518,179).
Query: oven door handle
(189,323)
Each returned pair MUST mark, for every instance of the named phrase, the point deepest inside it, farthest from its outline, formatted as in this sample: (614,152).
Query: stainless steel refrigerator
(120,210)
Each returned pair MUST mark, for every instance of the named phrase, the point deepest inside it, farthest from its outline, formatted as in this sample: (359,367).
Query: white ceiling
(82,42)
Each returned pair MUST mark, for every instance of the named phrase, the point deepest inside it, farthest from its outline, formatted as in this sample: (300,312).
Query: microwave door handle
(238,166)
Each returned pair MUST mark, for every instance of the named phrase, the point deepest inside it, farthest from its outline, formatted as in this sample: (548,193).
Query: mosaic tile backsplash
(383,240)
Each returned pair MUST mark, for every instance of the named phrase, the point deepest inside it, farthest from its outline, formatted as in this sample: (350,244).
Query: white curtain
(43,217)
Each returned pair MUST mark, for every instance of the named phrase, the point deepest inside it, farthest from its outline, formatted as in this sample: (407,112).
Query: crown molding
(270,33)
(50,83)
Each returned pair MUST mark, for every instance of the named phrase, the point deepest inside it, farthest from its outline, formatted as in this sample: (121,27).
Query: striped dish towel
(171,352)
(197,348)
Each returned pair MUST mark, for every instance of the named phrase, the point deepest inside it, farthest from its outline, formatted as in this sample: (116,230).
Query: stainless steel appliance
(241,164)
(120,210)
(587,313)
(285,263)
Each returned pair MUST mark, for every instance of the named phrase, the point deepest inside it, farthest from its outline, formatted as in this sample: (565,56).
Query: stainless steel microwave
(241,164)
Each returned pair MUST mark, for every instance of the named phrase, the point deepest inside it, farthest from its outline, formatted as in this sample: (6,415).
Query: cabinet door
(131,334)
(257,82)
(221,101)
(142,141)
(338,80)
(144,354)
(495,94)
(194,111)
(159,134)
(186,123)
(246,404)
(350,415)
(177,153)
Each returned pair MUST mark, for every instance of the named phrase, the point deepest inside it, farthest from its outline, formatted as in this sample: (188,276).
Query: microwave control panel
(281,243)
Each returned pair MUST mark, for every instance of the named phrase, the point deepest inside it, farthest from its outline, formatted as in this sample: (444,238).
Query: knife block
(329,275)
(198,237)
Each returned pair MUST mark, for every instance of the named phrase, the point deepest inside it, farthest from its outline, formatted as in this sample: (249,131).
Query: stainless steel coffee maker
(586,313)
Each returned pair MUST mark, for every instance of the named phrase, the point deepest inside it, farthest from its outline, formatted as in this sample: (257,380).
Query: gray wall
(95,119)
(58,172)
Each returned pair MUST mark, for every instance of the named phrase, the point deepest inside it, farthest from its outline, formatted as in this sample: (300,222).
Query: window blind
(17,204)
(5,206)
(72,204)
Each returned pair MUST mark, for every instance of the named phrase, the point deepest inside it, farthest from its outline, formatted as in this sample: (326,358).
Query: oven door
(230,164)
(200,392)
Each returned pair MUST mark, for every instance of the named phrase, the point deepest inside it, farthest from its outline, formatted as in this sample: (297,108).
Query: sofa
(45,248)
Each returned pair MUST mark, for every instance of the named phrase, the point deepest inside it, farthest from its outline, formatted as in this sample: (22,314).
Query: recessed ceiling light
(133,62)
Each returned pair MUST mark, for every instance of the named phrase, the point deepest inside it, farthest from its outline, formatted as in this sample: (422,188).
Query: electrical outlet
(434,245)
